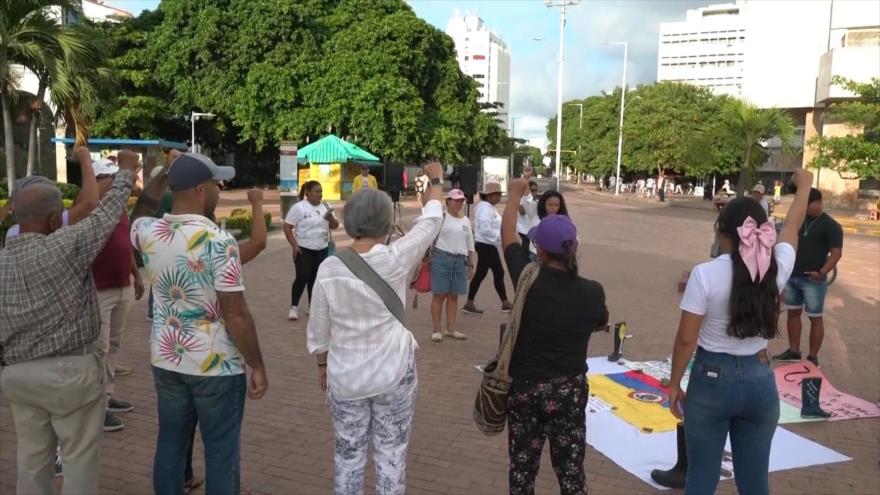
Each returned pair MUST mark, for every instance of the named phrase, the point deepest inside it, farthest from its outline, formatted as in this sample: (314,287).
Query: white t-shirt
(456,236)
(708,295)
(524,223)
(487,221)
(312,230)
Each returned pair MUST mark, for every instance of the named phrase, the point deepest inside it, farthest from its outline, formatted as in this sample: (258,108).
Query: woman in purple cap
(548,394)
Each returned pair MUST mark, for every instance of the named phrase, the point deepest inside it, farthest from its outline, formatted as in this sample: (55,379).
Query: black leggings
(488,258)
(306,265)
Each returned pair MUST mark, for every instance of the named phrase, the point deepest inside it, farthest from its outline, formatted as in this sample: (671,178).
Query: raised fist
(255,196)
(128,160)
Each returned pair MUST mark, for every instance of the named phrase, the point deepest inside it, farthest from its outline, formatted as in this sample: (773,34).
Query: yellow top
(358,183)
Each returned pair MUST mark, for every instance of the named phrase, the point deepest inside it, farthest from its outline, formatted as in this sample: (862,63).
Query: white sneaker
(293,314)
(436,337)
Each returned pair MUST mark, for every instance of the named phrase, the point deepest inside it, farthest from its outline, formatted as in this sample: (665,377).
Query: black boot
(675,477)
(810,408)
(619,336)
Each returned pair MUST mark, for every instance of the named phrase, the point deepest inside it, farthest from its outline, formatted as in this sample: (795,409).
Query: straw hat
(491,188)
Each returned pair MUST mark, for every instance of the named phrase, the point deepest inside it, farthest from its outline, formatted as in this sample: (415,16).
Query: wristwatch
(436,181)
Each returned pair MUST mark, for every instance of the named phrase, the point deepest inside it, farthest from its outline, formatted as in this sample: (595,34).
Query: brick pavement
(637,250)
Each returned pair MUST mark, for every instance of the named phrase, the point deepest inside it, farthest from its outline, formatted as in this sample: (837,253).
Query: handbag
(380,286)
(422,281)
(490,405)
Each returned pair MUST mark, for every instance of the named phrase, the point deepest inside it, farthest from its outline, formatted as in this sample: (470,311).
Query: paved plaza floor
(636,249)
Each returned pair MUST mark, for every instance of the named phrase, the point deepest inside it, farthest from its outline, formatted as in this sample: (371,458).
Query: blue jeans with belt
(735,395)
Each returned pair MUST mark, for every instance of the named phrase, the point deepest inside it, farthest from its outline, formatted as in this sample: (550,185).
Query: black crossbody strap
(365,272)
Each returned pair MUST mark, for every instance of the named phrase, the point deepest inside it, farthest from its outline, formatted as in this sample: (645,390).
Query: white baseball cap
(103,166)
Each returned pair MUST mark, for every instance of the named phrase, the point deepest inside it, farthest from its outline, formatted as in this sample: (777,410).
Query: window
(479,57)
(466,58)
(479,76)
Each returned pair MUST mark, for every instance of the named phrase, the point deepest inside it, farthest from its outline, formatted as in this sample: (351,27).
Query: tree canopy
(369,71)
(856,155)
(668,128)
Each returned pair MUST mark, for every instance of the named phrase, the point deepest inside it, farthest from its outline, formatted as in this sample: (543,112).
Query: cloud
(590,67)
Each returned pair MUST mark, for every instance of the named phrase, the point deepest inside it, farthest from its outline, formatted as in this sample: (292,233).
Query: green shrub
(68,191)
(4,194)
(241,220)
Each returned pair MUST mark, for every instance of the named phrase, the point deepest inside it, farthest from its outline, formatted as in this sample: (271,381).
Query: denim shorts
(448,273)
(801,292)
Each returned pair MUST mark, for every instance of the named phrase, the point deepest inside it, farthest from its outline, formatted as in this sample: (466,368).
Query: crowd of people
(69,277)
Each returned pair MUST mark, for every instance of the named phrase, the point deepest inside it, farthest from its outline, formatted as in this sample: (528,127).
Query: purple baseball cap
(553,233)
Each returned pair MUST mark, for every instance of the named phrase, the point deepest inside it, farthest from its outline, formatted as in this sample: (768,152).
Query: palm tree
(751,126)
(30,38)
(81,80)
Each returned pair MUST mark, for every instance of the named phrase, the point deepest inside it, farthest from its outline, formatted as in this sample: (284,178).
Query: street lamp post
(581,118)
(562,4)
(622,104)
(512,143)
(194,116)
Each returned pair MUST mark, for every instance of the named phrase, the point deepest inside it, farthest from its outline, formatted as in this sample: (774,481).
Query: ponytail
(568,259)
(753,306)
(308,186)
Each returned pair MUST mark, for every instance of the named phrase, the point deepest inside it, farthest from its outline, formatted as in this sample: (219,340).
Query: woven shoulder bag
(490,406)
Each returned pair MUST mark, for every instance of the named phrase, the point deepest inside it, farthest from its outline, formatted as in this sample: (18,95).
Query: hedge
(240,219)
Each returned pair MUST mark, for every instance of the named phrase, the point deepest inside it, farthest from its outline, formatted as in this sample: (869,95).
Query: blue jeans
(218,403)
(736,395)
(801,292)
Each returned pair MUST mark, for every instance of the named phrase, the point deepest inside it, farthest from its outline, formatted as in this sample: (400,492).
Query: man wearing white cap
(758,194)
(118,282)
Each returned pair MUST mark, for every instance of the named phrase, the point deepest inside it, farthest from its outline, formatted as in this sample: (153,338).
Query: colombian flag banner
(637,398)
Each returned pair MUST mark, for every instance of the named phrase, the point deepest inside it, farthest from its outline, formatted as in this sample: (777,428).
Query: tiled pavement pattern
(636,249)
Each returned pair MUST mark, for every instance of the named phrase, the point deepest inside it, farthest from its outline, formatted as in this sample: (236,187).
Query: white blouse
(487,221)
(369,349)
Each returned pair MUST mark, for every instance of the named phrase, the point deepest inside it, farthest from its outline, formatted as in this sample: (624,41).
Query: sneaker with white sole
(58,468)
(471,309)
(293,314)
(119,406)
(122,370)
(111,422)
(437,337)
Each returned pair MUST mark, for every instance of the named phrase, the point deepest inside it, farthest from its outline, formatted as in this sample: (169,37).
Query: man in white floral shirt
(203,335)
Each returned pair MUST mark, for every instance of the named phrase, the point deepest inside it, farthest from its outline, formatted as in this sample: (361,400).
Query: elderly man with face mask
(49,324)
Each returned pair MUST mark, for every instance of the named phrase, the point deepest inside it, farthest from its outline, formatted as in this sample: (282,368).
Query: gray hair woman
(365,356)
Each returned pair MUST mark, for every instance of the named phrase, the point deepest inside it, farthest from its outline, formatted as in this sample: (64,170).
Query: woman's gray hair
(368,213)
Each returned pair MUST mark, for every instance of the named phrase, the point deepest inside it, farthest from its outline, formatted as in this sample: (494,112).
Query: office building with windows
(783,54)
(484,56)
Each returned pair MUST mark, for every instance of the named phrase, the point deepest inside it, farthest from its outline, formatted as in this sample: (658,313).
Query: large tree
(368,70)
(856,155)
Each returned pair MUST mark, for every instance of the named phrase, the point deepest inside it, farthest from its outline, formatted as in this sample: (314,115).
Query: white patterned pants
(386,420)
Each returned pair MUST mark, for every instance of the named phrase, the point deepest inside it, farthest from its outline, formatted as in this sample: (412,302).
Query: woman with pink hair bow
(730,310)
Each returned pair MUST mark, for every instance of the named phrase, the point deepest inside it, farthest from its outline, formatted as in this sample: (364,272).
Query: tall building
(778,53)
(707,49)
(483,55)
